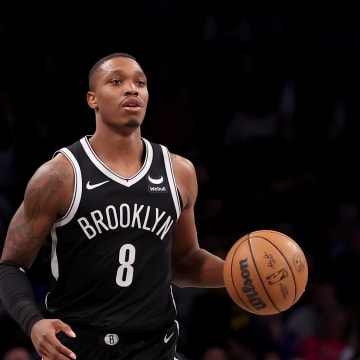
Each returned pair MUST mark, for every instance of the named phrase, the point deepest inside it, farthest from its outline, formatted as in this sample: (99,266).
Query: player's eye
(115,81)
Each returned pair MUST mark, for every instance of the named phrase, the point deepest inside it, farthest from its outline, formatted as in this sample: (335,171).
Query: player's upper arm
(47,197)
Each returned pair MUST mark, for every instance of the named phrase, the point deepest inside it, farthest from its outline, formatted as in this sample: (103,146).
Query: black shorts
(149,346)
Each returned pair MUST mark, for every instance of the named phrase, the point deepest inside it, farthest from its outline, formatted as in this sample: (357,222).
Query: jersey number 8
(125,271)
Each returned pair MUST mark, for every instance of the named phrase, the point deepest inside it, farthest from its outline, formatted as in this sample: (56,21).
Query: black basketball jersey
(110,255)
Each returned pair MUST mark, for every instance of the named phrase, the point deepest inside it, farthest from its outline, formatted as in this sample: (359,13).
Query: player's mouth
(132,105)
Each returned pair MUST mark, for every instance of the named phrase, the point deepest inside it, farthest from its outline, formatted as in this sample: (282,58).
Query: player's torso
(110,254)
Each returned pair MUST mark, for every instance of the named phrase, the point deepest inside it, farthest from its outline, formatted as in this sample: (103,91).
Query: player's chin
(133,123)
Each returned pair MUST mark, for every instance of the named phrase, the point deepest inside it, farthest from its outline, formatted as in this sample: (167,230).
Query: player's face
(121,94)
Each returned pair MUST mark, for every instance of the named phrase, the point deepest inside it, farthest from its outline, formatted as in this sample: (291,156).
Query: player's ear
(91,100)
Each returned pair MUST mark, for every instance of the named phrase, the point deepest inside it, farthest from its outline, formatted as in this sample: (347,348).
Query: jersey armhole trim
(77,188)
(171,179)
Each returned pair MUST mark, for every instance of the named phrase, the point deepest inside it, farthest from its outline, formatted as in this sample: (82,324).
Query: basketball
(265,272)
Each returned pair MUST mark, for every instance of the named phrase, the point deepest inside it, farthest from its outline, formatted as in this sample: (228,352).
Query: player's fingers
(64,351)
(65,328)
(60,326)
(55,350)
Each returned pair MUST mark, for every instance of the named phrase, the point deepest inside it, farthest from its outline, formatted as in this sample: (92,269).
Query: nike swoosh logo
(156,181)
(94,186)
(167,338)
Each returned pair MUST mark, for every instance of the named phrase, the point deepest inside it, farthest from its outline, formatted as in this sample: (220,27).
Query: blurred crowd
(267,109)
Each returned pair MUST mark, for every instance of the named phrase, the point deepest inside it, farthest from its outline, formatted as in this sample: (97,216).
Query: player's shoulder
(186,178)
(178,161)
(182,163)
(57,167)
(58,162)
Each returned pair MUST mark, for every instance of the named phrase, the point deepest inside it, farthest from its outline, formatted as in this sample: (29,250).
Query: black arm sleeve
(17,296)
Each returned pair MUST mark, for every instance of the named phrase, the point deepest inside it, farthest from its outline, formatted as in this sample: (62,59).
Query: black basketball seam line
(257,270)
(284,257)
(232,277)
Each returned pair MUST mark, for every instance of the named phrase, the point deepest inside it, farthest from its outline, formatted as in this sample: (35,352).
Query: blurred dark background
(267,108)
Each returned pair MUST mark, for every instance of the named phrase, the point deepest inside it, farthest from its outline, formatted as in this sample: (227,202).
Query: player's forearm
(201,269)
(16,295)
(211,275)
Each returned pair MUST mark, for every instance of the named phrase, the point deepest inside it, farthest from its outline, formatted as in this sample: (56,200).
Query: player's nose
(131,89)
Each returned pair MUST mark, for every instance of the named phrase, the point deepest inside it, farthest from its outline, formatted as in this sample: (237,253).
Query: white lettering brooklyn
(125,216)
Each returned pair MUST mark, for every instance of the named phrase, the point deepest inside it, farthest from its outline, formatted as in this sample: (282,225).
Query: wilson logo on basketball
(249,288)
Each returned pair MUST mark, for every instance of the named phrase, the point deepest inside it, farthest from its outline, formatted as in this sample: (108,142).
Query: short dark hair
(96,67)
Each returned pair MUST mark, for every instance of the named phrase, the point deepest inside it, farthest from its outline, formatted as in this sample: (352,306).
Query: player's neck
(123,155)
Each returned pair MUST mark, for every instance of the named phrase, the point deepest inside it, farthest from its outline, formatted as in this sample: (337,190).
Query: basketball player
(114,215)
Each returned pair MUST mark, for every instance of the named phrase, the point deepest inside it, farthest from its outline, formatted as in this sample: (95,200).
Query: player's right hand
(46,343)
